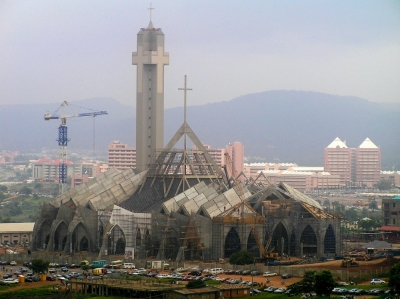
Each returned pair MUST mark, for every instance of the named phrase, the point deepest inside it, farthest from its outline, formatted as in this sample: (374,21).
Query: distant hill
(287,126)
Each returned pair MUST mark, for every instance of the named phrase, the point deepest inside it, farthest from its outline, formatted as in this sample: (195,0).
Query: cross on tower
(150,8)
(185,89)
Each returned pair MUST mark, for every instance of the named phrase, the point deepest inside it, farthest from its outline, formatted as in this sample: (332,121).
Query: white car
(10,281)
(267,274)
(13,263)
(377,280)
(280,290)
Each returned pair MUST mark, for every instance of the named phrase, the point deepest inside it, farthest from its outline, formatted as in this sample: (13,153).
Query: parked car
(286,275)
(342,283)
(64,269)
(13,263)
(7,276)
(8,281)
(270,289)
(254,273)
(50,278)
(377,281)
(195,273)
(246,272)
(267,274)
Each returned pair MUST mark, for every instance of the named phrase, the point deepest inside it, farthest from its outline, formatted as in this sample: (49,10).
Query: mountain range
(274,126)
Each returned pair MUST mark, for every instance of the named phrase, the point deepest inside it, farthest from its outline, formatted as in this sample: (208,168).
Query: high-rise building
(356,166)
(150,59)
(368,167)
(337,160)
(236,152)
(121,156)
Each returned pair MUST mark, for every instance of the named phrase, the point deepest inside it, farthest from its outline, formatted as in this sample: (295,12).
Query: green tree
(25,190)
(194,284)
(351,215)
(373,205)
(242,257)
(306,285)
(38,186)
(324,283)
(364,212)
(3,188)
(39,265)
(366,224)
(394,279)
(384,185)
(327,203)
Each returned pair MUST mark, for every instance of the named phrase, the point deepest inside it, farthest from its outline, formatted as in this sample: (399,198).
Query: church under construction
(181,205)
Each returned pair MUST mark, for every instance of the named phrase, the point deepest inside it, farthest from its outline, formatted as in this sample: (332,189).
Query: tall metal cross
(185,89)
(150,8)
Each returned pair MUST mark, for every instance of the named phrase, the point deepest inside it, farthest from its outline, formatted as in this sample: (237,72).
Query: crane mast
(63,139)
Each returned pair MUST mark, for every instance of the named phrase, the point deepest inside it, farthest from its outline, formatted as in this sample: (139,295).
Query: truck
(161,265)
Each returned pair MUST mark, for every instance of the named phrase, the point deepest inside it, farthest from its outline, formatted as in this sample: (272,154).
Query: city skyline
(74,50)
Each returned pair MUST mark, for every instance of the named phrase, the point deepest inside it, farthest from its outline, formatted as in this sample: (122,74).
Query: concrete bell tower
(150,59)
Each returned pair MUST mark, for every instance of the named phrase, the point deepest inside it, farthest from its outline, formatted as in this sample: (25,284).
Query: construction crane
(63,138)
(264,252)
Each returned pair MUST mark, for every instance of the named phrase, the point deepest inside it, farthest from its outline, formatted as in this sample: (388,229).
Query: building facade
(14,233)
(356,166)
(121,156)
(47,170)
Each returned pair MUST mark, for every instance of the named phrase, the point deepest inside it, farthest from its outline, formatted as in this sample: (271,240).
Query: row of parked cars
(357,291)
(8,263)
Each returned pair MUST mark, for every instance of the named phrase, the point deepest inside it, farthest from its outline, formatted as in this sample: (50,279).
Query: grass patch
(212,282)
(27,293)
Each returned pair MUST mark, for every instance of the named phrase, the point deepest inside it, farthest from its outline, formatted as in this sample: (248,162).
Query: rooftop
(17,227)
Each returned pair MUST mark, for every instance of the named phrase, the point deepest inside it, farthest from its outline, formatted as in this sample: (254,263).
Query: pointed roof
(150,26)
(367,144)
(337,143)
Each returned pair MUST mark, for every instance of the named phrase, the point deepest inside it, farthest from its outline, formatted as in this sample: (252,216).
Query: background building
(47,170)
(14,233)
(359,167)
(121,156)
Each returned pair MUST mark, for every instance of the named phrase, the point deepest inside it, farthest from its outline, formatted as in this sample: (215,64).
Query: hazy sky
(70,50)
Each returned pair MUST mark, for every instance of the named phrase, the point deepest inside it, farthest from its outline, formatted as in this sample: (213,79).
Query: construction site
(184,207)
(178,204)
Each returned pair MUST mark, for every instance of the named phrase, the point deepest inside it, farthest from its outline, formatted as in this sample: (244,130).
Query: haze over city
(73,50)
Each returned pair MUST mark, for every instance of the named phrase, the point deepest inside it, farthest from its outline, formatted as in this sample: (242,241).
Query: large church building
(179,204)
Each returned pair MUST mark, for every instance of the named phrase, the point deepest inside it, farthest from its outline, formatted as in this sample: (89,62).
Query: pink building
(121,156)
(235,151)
(337,160)
(356,166)
(368,163)
(301,178)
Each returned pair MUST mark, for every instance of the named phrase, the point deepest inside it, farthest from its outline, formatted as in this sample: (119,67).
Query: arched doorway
(252,245)
(116,241)
(171,244)
(101,233)
(292,244)
(309,241)
(84,244)
(120,246)
(280,240)
(232,243)
(138,238)
(77,235)
(43,235)
(330,240)
(59,235)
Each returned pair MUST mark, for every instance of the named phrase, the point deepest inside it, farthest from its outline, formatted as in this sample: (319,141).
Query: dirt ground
(364,266)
